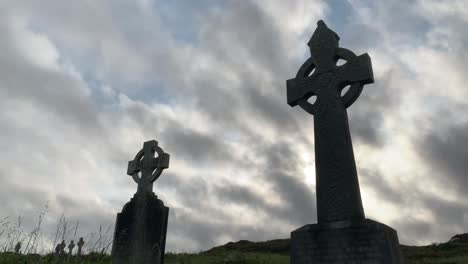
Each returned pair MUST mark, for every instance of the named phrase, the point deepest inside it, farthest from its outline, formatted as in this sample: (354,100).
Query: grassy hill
(455,251)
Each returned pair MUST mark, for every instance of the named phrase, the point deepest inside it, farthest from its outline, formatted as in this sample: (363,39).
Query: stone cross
(338,195)
(149,166)
(18,247)
(60,248)
(80,245)
(70,247)
(141,227)
(57,249)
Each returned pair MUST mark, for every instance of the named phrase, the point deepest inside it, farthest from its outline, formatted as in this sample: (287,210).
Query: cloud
(445,154)
(84,85)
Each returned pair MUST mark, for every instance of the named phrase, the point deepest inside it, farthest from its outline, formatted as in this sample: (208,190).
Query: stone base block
(140,231)
(360,242)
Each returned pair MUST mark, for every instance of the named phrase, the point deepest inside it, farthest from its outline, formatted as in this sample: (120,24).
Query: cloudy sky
(84,83)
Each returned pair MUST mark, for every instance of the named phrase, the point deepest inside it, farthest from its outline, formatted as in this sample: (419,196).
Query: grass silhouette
(38,248)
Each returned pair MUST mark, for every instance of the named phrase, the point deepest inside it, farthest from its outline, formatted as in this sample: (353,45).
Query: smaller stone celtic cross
(61,248)
(80,245)
(18,248)
(149,166)
(70,247)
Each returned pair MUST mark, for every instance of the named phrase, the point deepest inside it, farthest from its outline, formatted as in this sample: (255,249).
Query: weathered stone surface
(334,239)
(346,242)
(338,196)
(140,229)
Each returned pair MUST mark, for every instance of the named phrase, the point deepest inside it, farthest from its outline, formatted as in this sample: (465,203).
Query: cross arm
(299,88)
(357,70)
(163,163)
(135,177)
(133,171)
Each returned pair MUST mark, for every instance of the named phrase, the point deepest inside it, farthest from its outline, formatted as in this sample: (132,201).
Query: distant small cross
(149,166)
(70,247)
(80,245)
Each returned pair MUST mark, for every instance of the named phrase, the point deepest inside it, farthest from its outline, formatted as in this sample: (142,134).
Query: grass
(36,248)
(231,257)
(36,242)
(444,253)
(92,258)
(227,257)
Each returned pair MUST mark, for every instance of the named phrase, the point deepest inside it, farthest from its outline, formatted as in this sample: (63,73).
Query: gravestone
(80,245)
(60,248)
(57,249)
(342,234)
(18,247)
(140,229)
(70,247)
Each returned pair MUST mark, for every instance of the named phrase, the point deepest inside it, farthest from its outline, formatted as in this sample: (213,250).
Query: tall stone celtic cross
(149,166)
(338,195)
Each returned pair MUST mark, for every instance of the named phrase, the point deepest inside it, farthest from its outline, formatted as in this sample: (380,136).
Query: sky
(84,83)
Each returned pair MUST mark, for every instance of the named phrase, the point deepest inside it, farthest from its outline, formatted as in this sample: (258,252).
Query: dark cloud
(411,227)
(202,224)
(444,151)
(194,146)
(281,172)
(271,106)
(449,214)
(449,219)
(211,233)
(296,207)
(219,103)
(191,191)
(300,208)
(377,181)
(257,66)
(368,113)
(242,195)
(251,26)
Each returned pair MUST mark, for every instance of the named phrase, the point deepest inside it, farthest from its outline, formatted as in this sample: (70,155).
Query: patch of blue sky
(339,13)
(337,17)
(181,17)
(150,93)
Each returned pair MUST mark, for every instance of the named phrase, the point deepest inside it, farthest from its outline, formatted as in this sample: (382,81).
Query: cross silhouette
(149,166)
(338,195)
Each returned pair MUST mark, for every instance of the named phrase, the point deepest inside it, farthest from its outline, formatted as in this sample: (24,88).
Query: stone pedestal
(140,231)
(346,242)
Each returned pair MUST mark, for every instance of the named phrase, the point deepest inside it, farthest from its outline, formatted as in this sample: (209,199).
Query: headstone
(80,246)
(57,249)
(140,229)
(70,247)
(18,247)
(60,248)
(342,234)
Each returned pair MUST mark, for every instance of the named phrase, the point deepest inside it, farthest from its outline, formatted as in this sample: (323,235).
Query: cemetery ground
(244,252)
(97,249)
